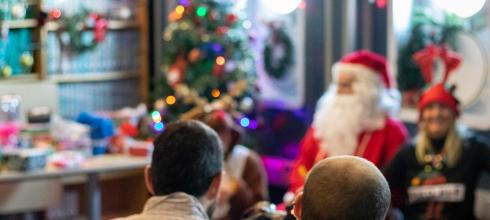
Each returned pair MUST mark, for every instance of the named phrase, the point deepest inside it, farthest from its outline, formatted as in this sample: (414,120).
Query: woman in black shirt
(435,177)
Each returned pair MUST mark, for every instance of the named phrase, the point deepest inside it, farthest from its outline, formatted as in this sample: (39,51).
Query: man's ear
(213,190)
(298,206)
(148,180)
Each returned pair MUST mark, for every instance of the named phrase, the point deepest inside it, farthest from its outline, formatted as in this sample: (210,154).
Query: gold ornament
(215,93)
(170,100)
(6,71)
(26,60)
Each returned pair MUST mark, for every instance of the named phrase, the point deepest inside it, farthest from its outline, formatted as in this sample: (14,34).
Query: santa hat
(439,94)
(366,65)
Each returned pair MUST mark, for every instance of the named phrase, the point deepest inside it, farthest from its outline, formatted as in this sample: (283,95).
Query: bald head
(345,187)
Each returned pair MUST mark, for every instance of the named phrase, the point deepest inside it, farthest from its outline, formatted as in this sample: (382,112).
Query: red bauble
(55,14)
(221,30)
(218,70)
(231,19)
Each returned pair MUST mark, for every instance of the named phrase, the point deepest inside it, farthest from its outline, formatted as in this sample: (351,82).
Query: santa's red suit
(377,144)
(379,147)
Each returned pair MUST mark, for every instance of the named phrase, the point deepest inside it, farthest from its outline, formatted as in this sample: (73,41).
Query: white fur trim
(361,72)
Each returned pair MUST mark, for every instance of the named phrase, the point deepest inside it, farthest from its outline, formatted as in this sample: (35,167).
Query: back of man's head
(186,158)
(345,187)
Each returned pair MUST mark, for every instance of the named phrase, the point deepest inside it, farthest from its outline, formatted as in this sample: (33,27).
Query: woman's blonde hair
(452,145)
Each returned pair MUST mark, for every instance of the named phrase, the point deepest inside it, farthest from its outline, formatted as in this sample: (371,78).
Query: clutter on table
(48,140)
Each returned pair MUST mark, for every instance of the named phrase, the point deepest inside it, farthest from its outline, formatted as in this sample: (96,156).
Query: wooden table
(92,168)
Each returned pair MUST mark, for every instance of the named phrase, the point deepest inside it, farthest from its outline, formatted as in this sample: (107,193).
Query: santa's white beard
(337,124)
(340,119)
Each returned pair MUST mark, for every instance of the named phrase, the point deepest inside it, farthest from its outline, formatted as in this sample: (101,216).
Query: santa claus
(354,117)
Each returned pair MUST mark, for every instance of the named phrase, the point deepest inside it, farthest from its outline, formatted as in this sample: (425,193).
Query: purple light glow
(253,124)
(217,47)
(185,3)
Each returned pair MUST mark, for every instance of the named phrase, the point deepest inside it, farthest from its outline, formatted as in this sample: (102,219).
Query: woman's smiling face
(437,119)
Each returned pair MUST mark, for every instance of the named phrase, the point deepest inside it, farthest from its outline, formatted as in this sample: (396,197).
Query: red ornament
(218,70)
(425,59)
(55,14)
(451,61)
(231,19)
(100,27)
(220,31)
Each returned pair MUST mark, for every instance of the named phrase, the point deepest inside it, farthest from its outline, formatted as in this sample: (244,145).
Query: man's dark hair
(186,158)
(345,187)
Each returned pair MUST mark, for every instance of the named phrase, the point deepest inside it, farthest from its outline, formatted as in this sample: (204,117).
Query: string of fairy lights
(208,64)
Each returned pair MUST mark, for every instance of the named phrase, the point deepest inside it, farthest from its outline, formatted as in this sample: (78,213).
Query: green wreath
(86,30)
(277,66)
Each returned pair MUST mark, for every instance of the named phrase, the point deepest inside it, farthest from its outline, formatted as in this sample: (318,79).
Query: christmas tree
(207,60)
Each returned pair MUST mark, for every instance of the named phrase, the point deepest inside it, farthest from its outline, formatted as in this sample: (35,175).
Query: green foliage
(193,41)
(424,30)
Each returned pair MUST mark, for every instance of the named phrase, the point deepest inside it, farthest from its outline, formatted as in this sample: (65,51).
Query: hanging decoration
(15,46)
(11,11)
(26,60)
(426,57)
(207,62)
(6,71)
(85,29)
(278,52)
(425,30)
